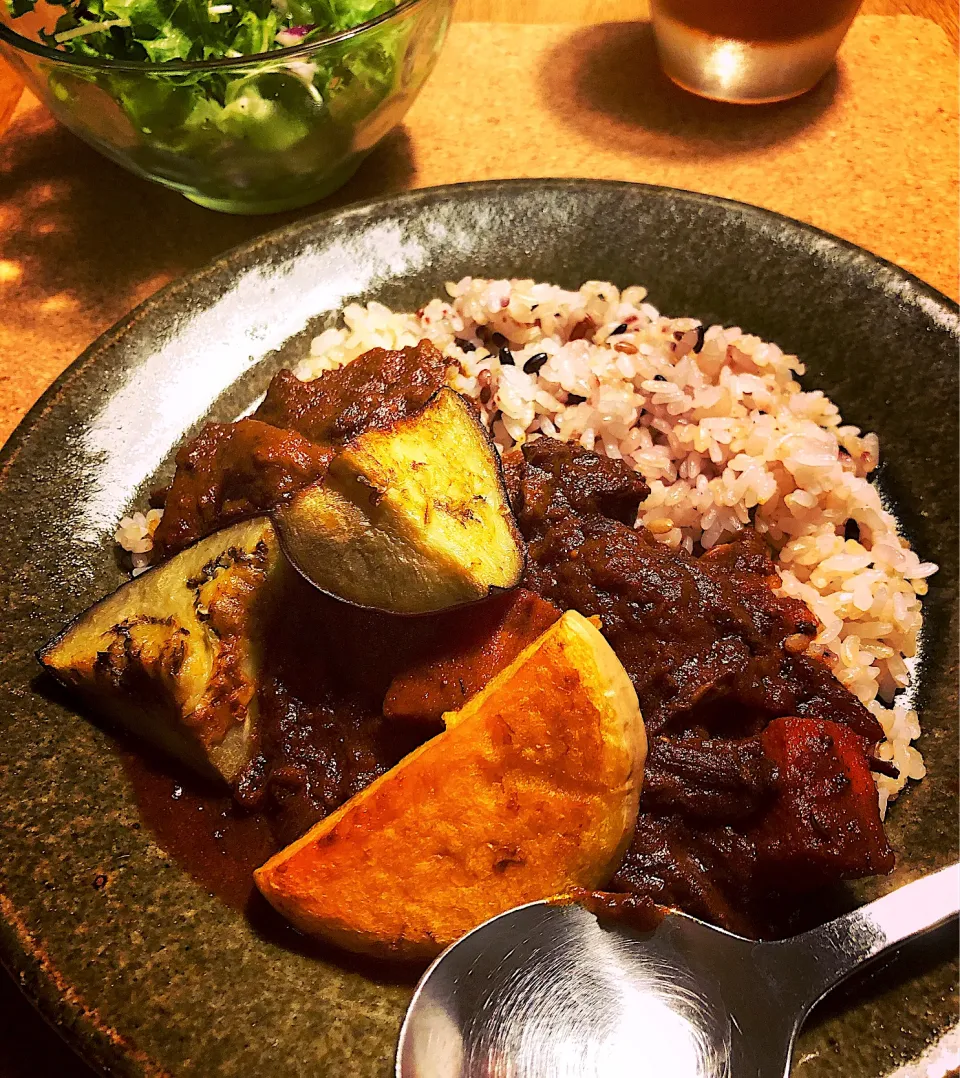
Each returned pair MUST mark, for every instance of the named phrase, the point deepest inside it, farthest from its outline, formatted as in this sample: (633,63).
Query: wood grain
(942,12)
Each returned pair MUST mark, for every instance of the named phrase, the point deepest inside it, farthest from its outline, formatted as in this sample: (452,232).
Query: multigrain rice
(718,425)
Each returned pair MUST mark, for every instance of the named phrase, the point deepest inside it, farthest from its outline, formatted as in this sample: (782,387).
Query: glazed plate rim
(909,283)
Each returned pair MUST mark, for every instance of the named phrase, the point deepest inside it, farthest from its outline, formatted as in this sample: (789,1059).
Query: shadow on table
(81,229)
(606,82)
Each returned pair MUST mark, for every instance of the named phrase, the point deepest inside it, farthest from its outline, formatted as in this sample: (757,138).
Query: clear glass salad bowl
(253,134)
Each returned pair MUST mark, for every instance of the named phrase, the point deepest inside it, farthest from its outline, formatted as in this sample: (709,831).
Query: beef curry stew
(758,785)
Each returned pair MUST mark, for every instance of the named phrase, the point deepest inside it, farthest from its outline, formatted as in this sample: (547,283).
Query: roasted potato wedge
(531,791)
(409,520)
(174,654)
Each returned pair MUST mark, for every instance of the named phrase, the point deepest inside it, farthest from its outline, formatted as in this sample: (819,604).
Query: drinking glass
(749,51)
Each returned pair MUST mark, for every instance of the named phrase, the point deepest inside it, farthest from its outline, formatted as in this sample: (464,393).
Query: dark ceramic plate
(140,968)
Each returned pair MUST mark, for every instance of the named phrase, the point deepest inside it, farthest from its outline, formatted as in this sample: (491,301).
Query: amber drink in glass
(749,51)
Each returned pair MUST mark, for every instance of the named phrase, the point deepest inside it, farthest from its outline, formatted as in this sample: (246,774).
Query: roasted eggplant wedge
(174,654)
(409,520)
(531,791)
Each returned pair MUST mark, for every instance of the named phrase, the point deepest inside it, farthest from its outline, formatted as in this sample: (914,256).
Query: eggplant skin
(413,519)
(174,655)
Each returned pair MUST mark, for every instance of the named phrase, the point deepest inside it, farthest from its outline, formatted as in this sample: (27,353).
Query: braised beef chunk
(749,554)
(563,478)
(232,471)
(714,780)
(371,393)
(704,871)
(691,849)
(318,749)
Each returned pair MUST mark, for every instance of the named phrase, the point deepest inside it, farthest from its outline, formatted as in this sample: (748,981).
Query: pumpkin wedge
(409,520)
(174,654)
(531,790)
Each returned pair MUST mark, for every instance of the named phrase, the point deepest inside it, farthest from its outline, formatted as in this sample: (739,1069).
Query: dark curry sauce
(758,786)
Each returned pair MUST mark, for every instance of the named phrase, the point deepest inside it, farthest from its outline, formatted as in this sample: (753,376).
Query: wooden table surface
(28,1049)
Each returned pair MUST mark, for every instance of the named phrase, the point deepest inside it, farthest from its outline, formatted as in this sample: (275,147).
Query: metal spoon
(546,991)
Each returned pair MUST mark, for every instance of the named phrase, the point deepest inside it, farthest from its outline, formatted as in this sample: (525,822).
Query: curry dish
(757,784)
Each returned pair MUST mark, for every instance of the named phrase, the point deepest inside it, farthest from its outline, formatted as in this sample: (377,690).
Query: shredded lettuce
(207,131)
(164,30)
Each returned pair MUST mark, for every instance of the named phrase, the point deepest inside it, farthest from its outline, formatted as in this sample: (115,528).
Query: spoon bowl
(549,990)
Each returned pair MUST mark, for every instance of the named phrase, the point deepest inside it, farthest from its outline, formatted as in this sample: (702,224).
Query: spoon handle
(834,950)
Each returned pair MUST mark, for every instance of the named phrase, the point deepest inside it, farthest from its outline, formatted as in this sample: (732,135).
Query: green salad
(163,30)
(259,135)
